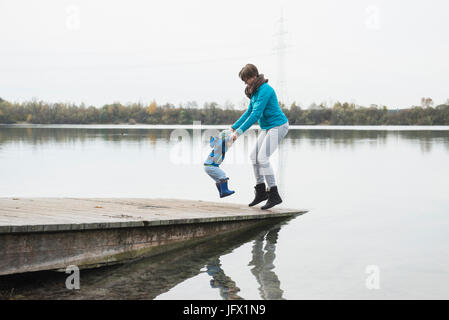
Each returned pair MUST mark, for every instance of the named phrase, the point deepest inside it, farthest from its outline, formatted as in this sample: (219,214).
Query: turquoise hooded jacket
(263,107)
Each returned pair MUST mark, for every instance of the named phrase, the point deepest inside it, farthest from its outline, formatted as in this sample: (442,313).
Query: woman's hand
(234,135)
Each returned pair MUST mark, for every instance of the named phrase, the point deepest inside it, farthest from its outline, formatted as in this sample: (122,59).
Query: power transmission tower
(281,50)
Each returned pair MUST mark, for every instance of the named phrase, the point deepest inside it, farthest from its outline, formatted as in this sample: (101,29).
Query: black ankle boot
(261,194)
(273,198)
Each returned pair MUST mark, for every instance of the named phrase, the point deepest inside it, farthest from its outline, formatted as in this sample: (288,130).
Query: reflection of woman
(270,286)
(264,108)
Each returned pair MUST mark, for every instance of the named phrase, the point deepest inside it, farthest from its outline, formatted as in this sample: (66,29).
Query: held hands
(234,135)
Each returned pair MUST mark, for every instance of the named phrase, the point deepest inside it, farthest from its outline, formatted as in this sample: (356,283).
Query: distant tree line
(39,112)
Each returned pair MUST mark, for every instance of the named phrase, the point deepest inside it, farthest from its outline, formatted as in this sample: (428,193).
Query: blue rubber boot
(222,187)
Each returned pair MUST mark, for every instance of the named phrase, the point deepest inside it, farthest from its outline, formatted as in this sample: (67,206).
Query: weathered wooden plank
(50,214)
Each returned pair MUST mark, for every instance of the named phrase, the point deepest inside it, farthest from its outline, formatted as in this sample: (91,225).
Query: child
(220,145)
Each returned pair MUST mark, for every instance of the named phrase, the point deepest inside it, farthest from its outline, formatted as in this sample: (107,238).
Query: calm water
(378,226)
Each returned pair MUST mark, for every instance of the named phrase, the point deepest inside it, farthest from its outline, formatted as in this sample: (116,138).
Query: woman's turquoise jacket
(263,107)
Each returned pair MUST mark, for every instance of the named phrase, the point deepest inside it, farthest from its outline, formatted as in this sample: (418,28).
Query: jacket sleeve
(242,118)
(257,110)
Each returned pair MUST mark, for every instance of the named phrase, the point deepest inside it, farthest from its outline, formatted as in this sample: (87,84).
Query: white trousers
(267,143)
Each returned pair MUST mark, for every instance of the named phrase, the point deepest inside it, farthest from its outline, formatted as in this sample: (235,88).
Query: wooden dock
(53,233)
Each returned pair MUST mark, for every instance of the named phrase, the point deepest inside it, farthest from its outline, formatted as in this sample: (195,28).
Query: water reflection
(150,277)
(263,262)
(38,136)
(227,287)
(350,137)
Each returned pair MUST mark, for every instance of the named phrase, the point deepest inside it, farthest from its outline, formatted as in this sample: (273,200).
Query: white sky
(368,52)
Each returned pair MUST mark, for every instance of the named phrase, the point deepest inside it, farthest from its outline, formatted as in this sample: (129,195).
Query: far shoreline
(218,126)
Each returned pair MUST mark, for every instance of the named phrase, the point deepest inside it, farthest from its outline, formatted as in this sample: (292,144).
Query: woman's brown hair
(248,72)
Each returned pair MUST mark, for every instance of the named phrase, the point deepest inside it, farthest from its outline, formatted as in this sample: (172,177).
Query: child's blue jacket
(220,145)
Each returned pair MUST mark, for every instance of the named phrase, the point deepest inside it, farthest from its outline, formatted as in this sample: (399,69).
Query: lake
(377,226)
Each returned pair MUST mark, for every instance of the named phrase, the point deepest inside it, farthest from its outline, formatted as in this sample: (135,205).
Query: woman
(263,107)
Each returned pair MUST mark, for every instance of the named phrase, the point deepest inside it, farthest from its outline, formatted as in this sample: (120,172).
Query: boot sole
(272,205)
(253,204)
(227,195)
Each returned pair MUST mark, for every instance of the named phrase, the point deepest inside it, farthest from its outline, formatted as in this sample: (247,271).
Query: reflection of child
(228,288)
(220,145)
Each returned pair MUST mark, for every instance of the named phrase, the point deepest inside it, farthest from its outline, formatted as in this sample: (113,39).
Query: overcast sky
(100,51)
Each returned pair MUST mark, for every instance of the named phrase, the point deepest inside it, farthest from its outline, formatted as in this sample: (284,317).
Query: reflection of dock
(52,233)
(149,277)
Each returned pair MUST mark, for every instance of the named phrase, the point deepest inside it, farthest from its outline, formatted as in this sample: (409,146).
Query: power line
(135,66)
